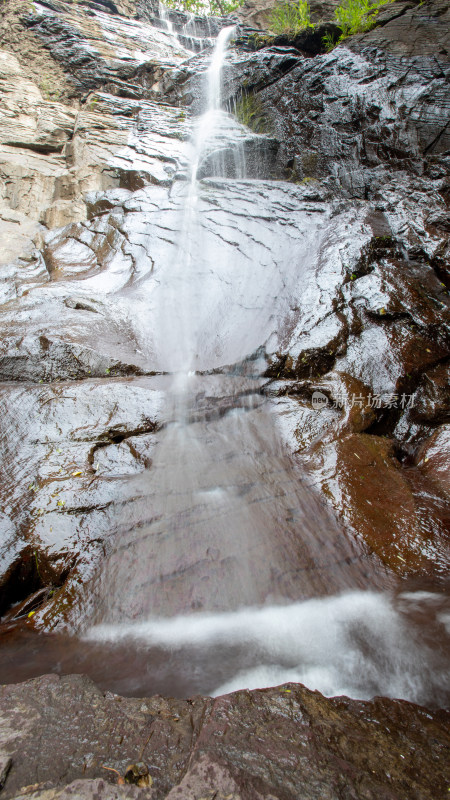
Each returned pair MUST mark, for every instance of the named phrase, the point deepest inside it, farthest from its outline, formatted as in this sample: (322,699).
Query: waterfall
(215,68)
(177,340)
(225,565)
(164,17)
(211,119)
(189,36)
(218,515)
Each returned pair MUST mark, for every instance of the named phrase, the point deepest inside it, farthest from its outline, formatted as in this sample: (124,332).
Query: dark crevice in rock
(442,271)
(378,247)
(439,261)
(388,418)
(116,436)
(28,583)
(310,42)
(26,608)
(98,5)
(88,509)
(35,147)
(311,363)
(435,141)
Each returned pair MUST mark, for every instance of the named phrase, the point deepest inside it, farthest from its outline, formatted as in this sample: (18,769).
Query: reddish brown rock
(283,743)
(368,486)
(399,511)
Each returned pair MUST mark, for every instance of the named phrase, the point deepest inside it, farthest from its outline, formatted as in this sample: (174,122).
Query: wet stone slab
(66,474)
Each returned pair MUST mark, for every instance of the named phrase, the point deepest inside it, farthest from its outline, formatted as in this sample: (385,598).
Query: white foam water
(164,16)
(360,644)
(178,345)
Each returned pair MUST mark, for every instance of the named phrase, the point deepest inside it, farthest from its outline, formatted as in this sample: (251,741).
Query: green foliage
(215,8)
(256,41)
(290,18)
(357,16)
(329,42)
(250,112)
(354,16)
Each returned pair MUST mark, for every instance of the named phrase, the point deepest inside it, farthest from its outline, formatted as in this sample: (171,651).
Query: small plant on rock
(290,18)
(357,16)
(329,42)
(250,112)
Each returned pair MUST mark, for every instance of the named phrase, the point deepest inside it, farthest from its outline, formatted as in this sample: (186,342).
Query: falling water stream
(227,570)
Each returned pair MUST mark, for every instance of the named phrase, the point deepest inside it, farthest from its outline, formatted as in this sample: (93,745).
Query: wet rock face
(284,743)
(399,508)
(66,476)
(323,207)
(329,128)
(100,50)
(385,322)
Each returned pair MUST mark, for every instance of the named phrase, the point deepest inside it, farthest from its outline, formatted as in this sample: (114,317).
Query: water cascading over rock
(205,252)
(214,529)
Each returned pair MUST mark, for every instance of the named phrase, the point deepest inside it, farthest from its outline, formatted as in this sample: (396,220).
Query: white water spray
(210,120)
(360,644)
(164,17)
(178,340)
(214,73)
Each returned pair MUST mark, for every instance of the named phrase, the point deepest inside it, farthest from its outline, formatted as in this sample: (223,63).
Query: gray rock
(382,96)
(68,479)
(45,360)
(119,54)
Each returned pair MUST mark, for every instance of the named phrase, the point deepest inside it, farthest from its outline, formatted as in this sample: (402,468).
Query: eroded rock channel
(224,402)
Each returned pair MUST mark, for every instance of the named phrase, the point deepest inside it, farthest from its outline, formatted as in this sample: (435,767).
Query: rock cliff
(333,276)
(96,112)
